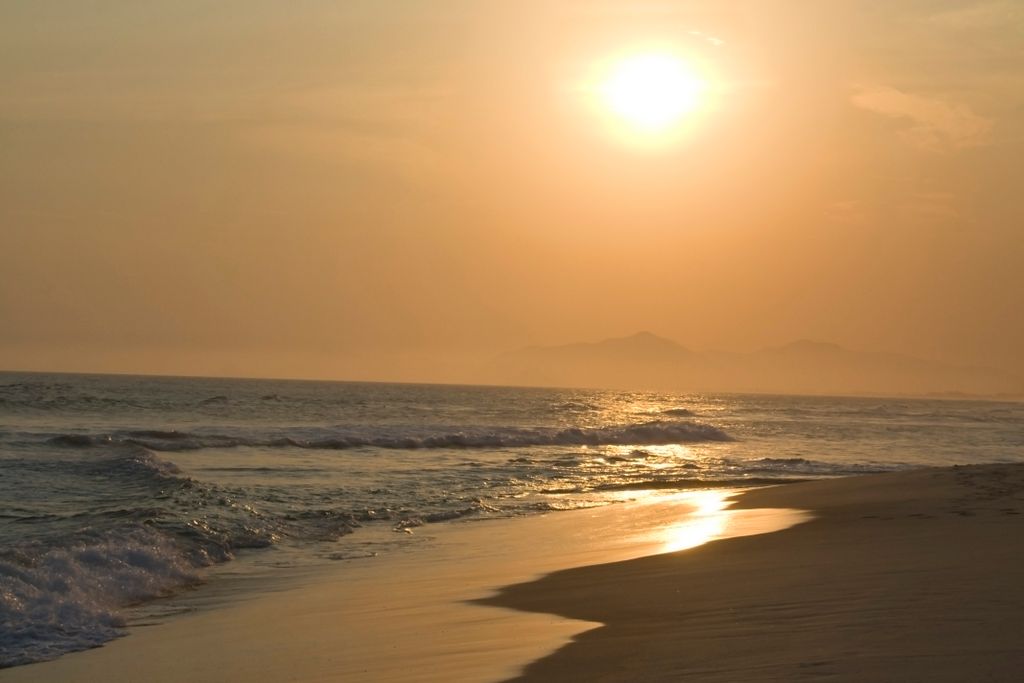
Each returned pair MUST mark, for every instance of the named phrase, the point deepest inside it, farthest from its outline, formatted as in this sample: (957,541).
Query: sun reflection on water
(708,521)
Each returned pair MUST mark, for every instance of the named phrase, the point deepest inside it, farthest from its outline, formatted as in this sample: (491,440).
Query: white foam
(68,599)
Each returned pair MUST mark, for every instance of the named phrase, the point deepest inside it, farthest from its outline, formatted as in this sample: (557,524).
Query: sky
(399,190)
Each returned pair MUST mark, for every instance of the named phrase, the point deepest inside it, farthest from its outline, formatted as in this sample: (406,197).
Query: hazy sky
(386,189)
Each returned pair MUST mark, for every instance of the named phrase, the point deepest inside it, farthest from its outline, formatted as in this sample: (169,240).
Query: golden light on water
(708,516)
(651,94)
(707,522)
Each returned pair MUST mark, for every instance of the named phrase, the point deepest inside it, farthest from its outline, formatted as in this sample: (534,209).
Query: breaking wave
(66,599)
(655,433)
(66,578)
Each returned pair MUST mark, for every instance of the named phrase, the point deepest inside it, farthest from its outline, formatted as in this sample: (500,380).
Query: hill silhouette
(645,360)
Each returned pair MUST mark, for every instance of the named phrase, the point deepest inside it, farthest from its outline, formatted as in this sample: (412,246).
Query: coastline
(911,576)
(408,615)
(903,576)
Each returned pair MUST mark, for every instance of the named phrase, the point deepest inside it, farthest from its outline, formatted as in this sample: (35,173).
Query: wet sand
(915,576)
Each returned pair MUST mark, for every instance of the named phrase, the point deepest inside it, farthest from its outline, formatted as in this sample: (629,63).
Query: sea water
(117,490)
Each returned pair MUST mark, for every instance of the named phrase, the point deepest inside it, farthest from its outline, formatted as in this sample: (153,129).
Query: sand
(905,577)
(913,576)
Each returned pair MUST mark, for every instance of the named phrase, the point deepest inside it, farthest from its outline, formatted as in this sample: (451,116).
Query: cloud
(930,124)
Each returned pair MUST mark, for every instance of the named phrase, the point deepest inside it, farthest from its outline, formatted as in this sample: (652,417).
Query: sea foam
(67,599)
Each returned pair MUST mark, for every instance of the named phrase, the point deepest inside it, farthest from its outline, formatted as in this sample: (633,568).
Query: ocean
(116,491)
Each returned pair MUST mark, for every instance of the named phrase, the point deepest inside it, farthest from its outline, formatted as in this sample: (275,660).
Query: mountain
(647,361)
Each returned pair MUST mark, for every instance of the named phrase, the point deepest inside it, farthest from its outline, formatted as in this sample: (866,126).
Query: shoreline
(910,576)
(900,576)
(412,615)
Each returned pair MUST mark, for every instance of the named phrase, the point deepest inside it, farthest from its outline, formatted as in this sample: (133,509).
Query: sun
(651,93)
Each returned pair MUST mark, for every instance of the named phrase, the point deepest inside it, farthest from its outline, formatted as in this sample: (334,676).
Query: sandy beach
(900,577)
(419,342)
(912,576)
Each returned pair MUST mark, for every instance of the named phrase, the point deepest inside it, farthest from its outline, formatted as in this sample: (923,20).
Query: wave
(81,440)
(815,468)
(67,599)
(64,397)
(576,406)
(139,465)
(476,508)
(678,412)
(141,462)
(656,433)
(118,464)
(149,532)
(677,484)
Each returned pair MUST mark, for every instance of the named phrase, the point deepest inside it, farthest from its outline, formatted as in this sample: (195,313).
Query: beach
(409,616)
(378,342)
(904,576)
(899,577)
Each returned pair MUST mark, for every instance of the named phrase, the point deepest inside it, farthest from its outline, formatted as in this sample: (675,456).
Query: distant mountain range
(647,361)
